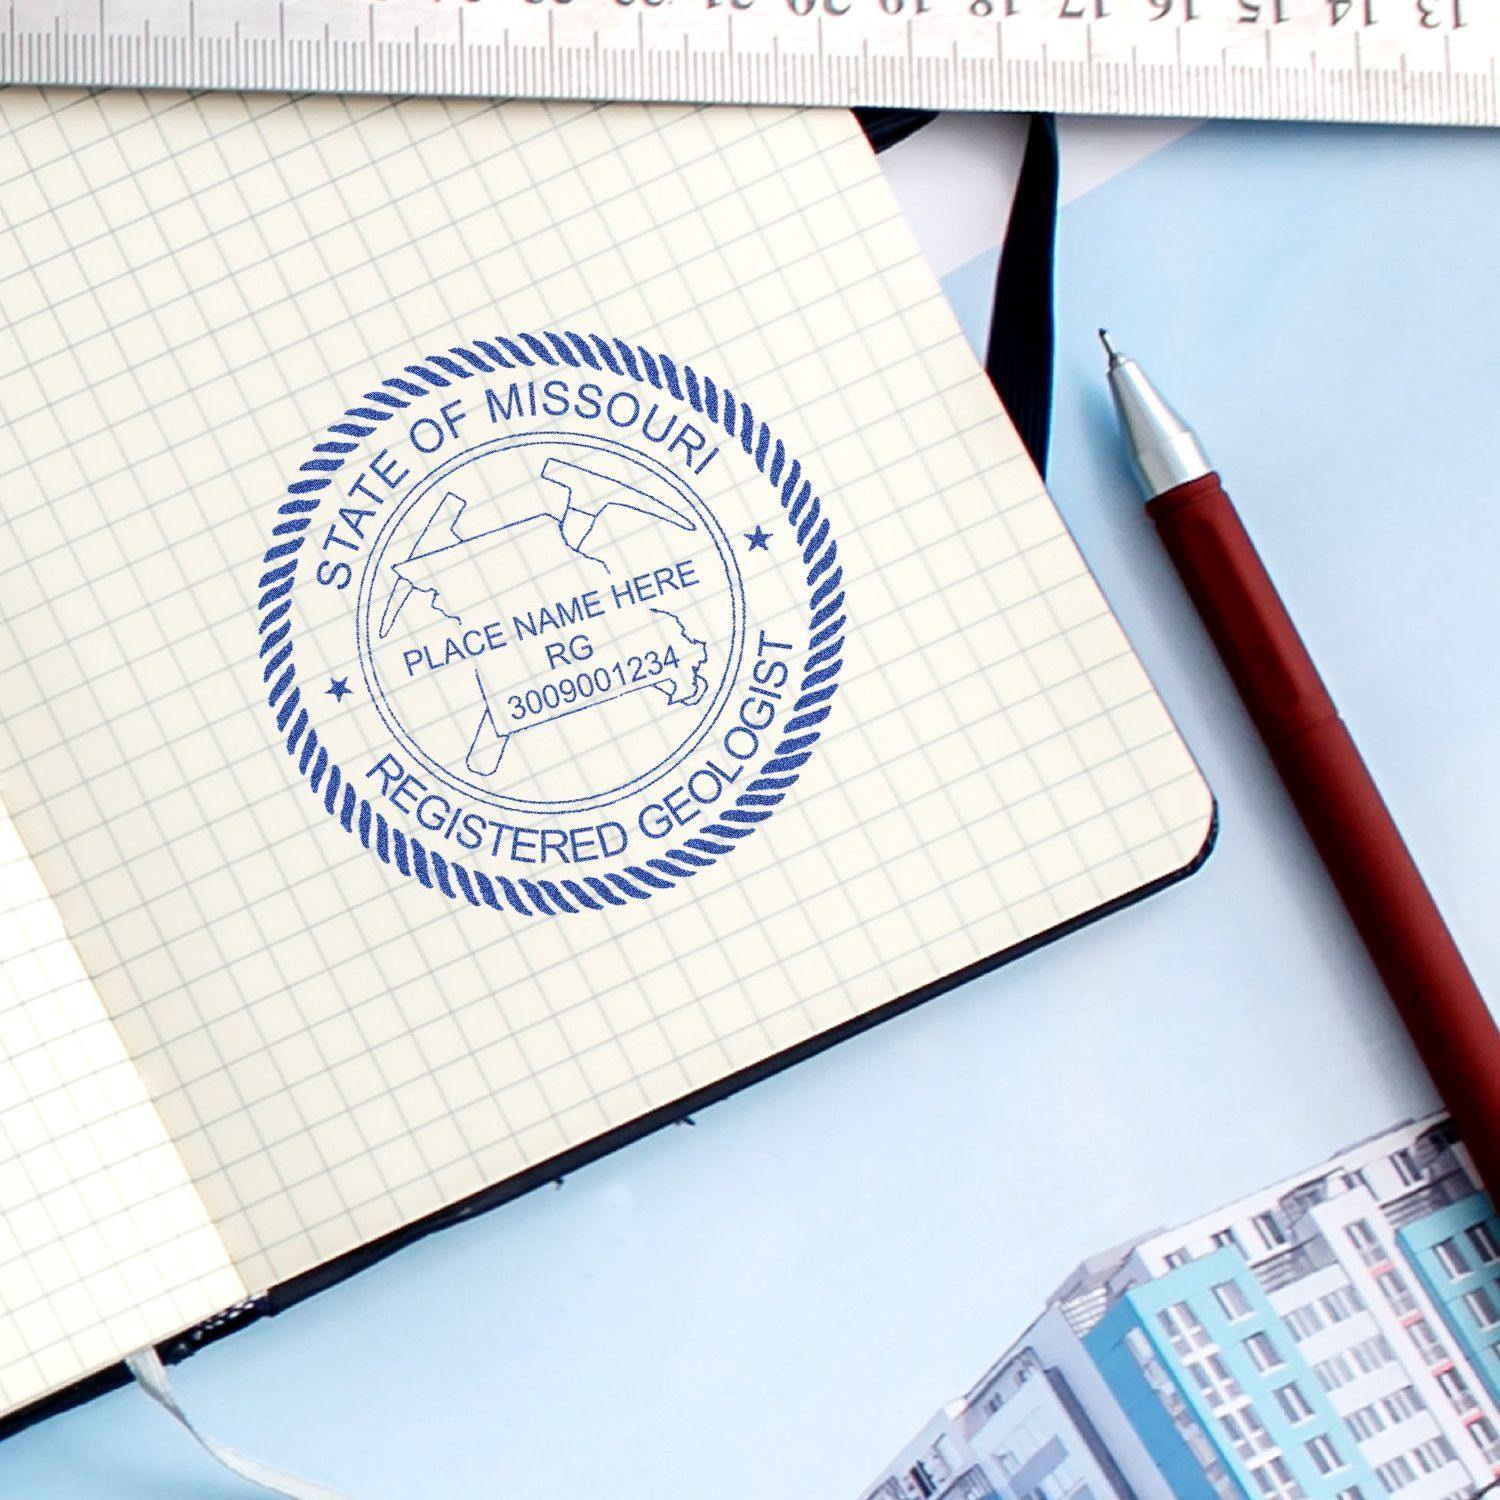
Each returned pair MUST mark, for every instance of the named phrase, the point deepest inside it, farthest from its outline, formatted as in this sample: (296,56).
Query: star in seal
(759,539)
(337,688)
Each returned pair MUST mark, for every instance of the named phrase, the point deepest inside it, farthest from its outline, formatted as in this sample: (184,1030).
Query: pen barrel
(1402,928)
(1340,806)
(1241,609)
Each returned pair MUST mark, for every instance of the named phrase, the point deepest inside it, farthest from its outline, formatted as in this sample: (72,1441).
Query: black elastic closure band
(885,128)
(1020,351)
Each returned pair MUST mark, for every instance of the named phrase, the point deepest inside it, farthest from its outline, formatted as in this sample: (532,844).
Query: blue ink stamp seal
(550,623)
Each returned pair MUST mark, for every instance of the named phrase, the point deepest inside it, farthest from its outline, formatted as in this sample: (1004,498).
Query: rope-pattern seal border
(776,776)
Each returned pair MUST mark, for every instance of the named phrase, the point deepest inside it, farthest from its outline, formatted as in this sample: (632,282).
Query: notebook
(517,620)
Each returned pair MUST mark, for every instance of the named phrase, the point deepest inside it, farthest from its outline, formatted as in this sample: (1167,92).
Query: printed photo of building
(1335,1336)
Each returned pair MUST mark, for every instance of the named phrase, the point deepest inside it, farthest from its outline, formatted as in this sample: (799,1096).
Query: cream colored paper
(193,291)
(104,1244)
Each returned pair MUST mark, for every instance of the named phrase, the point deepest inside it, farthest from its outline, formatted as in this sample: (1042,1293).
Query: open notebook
(516,619)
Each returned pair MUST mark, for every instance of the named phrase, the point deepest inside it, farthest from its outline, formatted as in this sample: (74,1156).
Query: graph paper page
(514,614)
(104,1245)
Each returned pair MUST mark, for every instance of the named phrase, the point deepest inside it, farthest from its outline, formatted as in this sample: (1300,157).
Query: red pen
(1340,804)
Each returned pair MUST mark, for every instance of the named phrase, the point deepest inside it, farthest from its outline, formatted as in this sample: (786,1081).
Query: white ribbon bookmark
(148,1371)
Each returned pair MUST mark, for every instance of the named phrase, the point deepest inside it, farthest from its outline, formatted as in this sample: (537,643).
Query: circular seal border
(751,807)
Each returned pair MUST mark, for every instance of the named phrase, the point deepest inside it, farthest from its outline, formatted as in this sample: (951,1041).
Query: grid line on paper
(334,1055)
(104,1245)
(462,321)
(310,241)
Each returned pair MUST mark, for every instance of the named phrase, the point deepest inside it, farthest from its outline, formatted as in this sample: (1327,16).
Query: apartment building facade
(1335,1336)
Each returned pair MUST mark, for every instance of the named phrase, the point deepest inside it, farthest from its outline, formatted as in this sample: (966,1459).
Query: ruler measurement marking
(861,52)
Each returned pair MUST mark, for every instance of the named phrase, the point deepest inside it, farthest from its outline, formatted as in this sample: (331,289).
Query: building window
(1222,1377)
(1341,1303)
(1393,1284)
(1265,1354)
(1486,1242)
(1271,1236)
(1176,1258)
(1215,1381)
(1395,1475)
(1370,1354)
(1352,1493)
(1452,1258)
(1365,1241)
(1231,1297)
(1236,1435)
(1276,1481)
(1332,1373)
(1303,1322)
(1483,1307)
(1432,1455)
(1066,1479)
(1406,1167)
(1246,1433)
(1400,1405)
(1182,1327)
(921,1481)
(1324,1454)
(1225,1239)
(1429,1345)
(1257,1429)
(1485,1438)
(1460,1398)
(1294,1405)
(1289,1486)
(1365,1423)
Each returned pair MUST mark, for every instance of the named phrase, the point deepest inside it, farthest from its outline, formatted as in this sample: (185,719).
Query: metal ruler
(1428,61)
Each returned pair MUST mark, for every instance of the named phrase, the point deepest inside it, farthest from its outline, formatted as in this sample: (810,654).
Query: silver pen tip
(1165,451)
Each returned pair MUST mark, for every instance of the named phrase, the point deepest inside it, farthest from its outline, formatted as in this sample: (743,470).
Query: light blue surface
(771,1302)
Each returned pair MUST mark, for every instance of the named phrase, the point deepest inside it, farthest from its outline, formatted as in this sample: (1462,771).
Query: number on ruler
(1436,14)
(1449,48)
